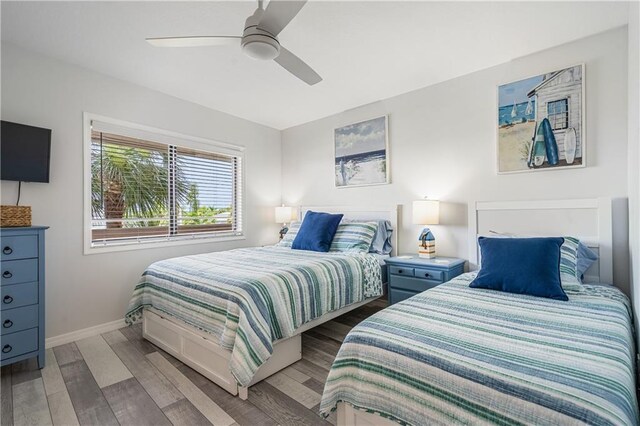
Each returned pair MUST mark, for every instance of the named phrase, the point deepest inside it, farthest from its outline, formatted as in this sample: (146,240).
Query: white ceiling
(365,51)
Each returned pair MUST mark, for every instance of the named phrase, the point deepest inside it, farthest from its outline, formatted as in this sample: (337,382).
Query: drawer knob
(400,271)
(7,299)
(427,275)
(7,274)
(6,349)
(7,250)
(7,323)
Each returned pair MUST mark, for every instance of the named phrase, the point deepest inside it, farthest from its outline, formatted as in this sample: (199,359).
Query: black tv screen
(25,152)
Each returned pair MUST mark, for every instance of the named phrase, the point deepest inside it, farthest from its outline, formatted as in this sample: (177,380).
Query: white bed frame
(198,350)
(586,219)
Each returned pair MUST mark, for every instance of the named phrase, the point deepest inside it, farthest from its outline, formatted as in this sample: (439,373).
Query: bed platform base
(349,416)
(196,348)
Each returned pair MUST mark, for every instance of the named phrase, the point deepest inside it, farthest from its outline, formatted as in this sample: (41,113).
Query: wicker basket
(13,216)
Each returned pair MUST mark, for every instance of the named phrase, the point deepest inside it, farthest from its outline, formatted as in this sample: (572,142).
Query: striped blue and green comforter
(456,355)
(249,298)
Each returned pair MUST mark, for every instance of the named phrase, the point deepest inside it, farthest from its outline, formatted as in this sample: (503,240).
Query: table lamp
(284,214)
(426,212)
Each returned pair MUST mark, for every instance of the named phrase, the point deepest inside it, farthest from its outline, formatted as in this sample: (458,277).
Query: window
(558,114)
(147,187)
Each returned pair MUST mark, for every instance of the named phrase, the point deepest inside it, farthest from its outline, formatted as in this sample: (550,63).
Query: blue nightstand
(411,275)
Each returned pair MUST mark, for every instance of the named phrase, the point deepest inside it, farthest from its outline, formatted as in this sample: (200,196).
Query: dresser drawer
(19,247)
(19,343)
(413,284)
(14,296)
(429,274)
(19,271)
(401,270)
(396,296)
(19,319)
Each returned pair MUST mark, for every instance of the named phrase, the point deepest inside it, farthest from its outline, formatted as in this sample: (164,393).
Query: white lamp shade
(284,214)
(426,212)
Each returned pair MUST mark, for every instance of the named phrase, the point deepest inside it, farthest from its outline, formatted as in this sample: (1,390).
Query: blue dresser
(410,275)
(22,284)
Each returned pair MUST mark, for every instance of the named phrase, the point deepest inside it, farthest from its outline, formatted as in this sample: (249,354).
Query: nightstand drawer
(429,274)
(399,295)
(412,284)
(401,270)
(14,296)
(19,319)
(19,247)
(19,271)
(19,343)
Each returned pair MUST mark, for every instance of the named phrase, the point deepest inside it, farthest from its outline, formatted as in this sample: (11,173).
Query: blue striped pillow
(354,237)
(569,274)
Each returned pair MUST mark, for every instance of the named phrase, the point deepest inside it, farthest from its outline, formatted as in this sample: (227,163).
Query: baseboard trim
(62,339)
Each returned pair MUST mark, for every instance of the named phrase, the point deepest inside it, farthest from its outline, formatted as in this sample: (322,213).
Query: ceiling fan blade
(297,67)
(197,41)
(278,15)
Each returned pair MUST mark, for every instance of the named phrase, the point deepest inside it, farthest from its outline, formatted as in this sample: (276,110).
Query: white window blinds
(144,190)
(206,191)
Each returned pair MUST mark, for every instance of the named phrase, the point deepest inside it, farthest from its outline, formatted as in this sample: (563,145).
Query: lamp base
(427,251)
(426,256)
(427,246)
(283,231)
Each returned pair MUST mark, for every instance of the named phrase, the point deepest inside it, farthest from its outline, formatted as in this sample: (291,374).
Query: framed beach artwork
(541,122)
(362,153)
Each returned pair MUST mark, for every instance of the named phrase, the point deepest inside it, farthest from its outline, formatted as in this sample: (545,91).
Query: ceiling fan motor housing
(257,43)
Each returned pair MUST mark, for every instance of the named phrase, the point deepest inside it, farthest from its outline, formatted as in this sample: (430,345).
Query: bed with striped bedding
(249,298)
(457,355)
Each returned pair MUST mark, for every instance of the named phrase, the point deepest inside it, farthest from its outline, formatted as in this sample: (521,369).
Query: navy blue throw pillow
(521,265)
(317,231)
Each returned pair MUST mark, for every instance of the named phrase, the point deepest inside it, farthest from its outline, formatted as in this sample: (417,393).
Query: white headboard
(587,219)
(389,213)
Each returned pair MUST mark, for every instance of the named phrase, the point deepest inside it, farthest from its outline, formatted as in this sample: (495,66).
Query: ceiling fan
(259,39)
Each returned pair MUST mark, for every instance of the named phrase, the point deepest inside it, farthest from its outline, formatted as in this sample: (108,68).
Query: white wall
(634,156)
(442,143)
(84,291)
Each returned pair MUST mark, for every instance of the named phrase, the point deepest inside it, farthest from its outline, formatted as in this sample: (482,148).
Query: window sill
(91,249)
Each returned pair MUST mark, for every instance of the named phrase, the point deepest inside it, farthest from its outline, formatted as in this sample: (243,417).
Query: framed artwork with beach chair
(362,153)
(541,122)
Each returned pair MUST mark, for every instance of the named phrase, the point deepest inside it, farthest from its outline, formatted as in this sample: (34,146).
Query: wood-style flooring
(120,378)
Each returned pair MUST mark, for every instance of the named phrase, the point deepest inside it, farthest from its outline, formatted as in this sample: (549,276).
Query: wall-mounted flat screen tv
(25,152)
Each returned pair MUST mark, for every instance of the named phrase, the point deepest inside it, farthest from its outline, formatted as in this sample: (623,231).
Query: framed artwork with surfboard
(541,122)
